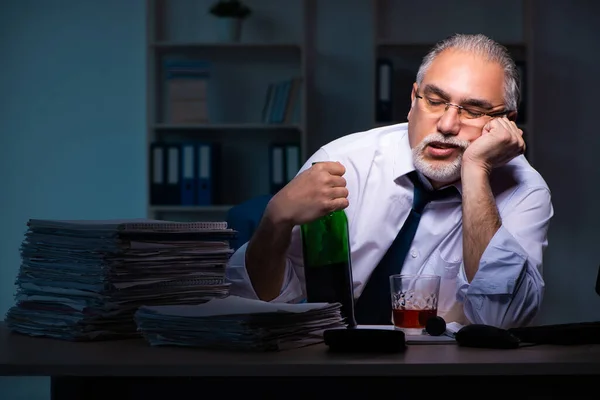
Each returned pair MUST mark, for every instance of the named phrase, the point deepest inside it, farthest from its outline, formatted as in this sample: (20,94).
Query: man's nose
(449,122)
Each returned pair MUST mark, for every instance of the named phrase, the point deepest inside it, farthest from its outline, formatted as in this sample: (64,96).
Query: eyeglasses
(438,108)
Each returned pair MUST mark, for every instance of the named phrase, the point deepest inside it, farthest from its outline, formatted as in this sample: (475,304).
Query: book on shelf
(282,102)
(186,99)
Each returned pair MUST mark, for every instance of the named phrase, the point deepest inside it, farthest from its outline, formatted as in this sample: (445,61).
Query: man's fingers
(337,181)
(338,192)
(504,122)
(515,132)
(333,167)
(494,123)
(487,127)
(338,204)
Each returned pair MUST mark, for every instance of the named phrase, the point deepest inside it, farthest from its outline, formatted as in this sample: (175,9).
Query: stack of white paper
(82,280)
(237,323)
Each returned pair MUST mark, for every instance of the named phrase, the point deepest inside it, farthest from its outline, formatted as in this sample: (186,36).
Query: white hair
(491,50)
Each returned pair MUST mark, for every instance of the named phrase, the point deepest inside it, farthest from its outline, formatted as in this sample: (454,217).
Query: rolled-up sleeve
(240,284)
(508,288)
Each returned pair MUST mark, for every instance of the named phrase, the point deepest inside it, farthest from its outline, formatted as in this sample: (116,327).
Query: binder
(157,173)
(383,91)
(277,167)
(207,155)
(188,174)
(284,164)
(172,189)
(292,161)
(184,173)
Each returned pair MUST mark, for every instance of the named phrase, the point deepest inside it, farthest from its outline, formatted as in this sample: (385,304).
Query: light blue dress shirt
(508,288)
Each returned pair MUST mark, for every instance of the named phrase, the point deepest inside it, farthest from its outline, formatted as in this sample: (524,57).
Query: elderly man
(485,240)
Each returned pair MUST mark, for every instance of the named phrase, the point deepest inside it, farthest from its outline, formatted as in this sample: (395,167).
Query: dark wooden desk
(92,370)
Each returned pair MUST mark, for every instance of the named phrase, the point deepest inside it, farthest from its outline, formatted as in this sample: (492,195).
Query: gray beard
(439,171)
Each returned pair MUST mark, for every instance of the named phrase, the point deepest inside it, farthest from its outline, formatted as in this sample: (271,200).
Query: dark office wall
(72,125)
(566,152)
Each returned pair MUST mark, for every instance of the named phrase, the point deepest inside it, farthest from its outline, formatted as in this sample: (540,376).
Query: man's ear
(413,98)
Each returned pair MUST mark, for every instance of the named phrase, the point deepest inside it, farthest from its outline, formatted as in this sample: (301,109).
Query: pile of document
(84,280)
(236,323)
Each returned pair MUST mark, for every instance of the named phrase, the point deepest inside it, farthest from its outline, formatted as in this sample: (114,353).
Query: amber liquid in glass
(412,319)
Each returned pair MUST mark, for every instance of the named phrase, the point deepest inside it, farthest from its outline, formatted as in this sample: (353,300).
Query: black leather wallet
(365,340)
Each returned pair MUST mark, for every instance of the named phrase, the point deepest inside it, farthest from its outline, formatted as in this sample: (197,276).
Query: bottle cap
(435,326)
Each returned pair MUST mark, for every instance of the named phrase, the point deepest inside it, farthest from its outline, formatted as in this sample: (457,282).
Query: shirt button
(414,253)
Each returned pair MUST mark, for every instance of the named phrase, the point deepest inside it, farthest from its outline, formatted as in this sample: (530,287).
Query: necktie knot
(422,196)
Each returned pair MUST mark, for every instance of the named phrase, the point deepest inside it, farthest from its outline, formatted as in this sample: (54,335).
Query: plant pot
(230,29)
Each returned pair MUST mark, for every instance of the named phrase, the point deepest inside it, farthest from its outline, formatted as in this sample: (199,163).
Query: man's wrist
(472,170)
(276,219)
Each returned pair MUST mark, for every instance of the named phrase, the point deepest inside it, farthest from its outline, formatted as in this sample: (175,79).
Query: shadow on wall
(563,155)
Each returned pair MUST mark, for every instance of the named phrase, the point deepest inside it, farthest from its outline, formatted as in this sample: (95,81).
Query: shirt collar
(403,163)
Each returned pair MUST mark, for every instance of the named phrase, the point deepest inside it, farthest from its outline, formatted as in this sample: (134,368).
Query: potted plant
(231,14)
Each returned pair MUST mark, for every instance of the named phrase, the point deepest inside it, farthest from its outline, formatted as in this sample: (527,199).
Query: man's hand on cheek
(501,141)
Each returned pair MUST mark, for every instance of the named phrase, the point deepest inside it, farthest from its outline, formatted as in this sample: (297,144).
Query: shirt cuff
(500,268)
(241,285)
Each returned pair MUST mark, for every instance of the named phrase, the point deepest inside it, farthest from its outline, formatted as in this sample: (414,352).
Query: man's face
(439,137)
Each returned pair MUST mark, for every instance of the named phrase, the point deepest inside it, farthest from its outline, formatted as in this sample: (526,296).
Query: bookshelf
(405,31)
(277,44)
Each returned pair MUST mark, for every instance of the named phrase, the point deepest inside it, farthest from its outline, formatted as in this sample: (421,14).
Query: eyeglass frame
(460,108)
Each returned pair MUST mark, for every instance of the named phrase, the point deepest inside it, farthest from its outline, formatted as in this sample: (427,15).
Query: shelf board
(226,127)
(217,46)
(191,209)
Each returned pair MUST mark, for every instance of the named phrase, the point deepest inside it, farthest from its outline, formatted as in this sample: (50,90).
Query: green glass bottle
(327,263)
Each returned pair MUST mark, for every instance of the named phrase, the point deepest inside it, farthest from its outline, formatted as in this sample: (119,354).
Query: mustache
(448,140)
